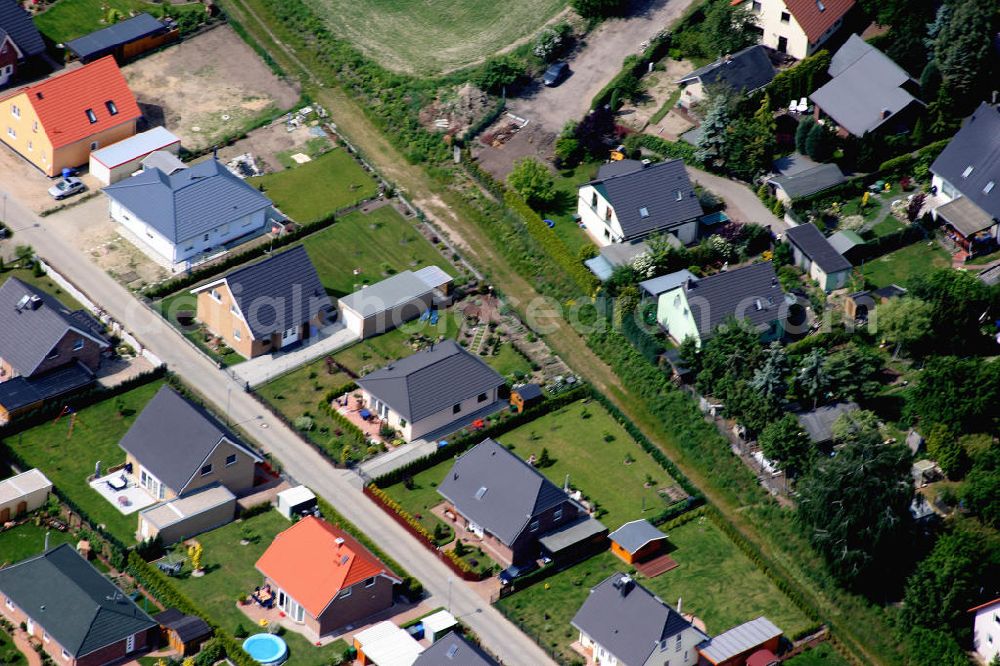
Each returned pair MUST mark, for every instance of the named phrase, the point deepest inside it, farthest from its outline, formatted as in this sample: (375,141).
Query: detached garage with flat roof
(394,301)
(189,515)
(122,159)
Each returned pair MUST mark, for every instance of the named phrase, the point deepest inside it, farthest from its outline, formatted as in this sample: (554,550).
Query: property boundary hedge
(675,150)
(902,165)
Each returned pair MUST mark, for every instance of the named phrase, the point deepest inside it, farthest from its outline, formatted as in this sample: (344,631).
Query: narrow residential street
(51,240)
(741,202)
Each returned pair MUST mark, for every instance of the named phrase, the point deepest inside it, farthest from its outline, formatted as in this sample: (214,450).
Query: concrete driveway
(597,63)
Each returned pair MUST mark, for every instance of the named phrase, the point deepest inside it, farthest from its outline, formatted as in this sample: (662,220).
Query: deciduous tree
(785,443)
(532,181)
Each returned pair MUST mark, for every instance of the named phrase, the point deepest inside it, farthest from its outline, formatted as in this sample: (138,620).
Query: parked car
(555,73)
(66,187)
(513,572)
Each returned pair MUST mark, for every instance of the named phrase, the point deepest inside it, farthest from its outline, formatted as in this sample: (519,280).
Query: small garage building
(385,305)
(122,159)
(189,515)
(23,493)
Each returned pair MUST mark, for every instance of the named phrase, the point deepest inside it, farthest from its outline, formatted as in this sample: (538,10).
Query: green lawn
(889,225)
(313,191)
(27,540)
(433,36)
(715,580)
(821,655)
(230,572)
(373,353)
(68,461)
(576,447)
(508,361)
(43,283)
(562,211)
(69,19)
(377,244)
(899,266)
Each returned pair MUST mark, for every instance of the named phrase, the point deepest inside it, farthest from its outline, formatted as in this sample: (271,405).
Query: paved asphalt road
(742,203)
(342,489)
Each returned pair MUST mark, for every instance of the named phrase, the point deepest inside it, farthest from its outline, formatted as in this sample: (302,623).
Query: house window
(989,187)
(402,423)
(533,527)
(344,594)
(785,17)
(663,646)
(112,109)
(643,212)
(78,345)
(65,655)
(94,145)
(370,582)
(91,116)
(558,514)
(968,171)
(755,7)
(14,111)
(677,645)
(607,213)
(214,293)
(130,644)
(34,126)
(205,238)
(236,334)
(593,200)
(206,470)
(482,397)
(230,459)
(456,409)
(11,133)
(232,308)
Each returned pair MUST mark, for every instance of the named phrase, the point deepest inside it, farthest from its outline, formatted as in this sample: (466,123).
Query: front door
(782,44)
(5,514)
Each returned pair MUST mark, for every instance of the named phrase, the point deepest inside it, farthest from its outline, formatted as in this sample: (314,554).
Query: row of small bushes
(903,165)
(413,526)
(674,150)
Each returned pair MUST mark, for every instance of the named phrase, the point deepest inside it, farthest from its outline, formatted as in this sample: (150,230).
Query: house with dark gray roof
(77,616)
(266,306)
(175,447)
(190,213)
(818,423)
(431,390)
(46,350)
(966,176)
(867,92)
(637,200)
(791,186)
(623,623)
(453,649)
(505,502)
(20,40)
(696,307)
(124,40)
(812,252)
(742,72)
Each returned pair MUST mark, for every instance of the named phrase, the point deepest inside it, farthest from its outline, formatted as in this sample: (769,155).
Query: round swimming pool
(266,649)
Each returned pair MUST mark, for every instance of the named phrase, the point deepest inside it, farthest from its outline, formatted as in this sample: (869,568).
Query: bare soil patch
(659,87)
(499,147)
(265,143)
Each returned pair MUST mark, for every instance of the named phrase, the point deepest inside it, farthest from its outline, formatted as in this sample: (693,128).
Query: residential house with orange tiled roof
(797,27)
(56,123)
(321,577)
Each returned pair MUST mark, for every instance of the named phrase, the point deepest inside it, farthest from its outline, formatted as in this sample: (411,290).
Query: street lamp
(450,581)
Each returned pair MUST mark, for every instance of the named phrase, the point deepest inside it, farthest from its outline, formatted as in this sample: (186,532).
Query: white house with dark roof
(742,72)
(431,390)
(696,307)
(631,200)
(797,27)
(986,630)
(966,181)
(623,624)
(180,216)
(812,252)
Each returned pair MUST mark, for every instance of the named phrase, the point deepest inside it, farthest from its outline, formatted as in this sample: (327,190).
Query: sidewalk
(264,368)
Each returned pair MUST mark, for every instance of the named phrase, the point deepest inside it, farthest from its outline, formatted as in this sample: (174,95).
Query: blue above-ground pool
(266,649)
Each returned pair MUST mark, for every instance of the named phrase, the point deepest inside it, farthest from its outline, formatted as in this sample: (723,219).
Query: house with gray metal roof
(636,541)
(505,502)
(125,39)
(966,176)
(621,622)
(698,306)
(814,254)
(20,40)
(431,390)
(189,213)
(380,307)
(638,200)
(868,92)
(77,616)
(175,447)
(453,649)
(742,72)
(653,287)
(788,187)
(739,643)
(266,306)
(46,350)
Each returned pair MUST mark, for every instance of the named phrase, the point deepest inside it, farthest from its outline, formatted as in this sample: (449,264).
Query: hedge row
(648,345)
(903,165)
(674,150)
(795,82)
(551,243)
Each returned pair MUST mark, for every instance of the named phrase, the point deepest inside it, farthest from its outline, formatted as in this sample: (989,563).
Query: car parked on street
(66,187)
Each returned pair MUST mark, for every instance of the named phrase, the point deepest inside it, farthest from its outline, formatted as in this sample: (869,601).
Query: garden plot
(208,89)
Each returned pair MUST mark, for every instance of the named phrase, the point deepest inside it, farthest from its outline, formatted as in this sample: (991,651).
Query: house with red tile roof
(322,577)
(797,27)
(56,123)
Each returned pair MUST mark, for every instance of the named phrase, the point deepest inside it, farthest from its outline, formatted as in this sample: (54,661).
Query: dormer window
(643,212)
(112,109)
(91,116)
(967,172)
(680,195)
(820,5)
(989,187)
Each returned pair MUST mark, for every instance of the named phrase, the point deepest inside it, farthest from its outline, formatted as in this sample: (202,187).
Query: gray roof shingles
(663,190)
(736,293)
(744,71)
(514,490)
(866,85)
(739,640)
(627,619)
(29,334)
(18,24)
(172,437)
(810,181)
(72,601)
(432,380)
(453,649)
(811,241)
(635,534)
(188,202)
(818,422)
(21,392)
(976,145)
(103,41)
(278,293)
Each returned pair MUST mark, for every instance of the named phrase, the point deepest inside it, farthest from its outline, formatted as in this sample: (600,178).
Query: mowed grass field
(434,36)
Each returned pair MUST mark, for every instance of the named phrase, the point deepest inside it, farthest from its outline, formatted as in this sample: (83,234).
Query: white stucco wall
(431,423)
(674,314)
(986,633)
(769,20)
(604,231)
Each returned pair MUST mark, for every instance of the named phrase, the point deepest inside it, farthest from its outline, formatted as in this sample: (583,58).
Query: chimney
(690,283)
(886,113)
(993,99)
(645,163)
(35,302)
(339,541)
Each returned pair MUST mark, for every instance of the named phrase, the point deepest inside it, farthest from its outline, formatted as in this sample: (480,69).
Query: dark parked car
(555,74)
(513,572)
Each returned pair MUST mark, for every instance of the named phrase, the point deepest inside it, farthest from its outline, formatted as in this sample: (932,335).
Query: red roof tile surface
(308,563)
(61,102)
(814,21)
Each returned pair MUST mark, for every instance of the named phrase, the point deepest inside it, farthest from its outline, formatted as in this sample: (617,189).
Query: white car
(66,187)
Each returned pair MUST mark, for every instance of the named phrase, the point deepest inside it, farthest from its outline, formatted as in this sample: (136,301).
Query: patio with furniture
(122,491)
